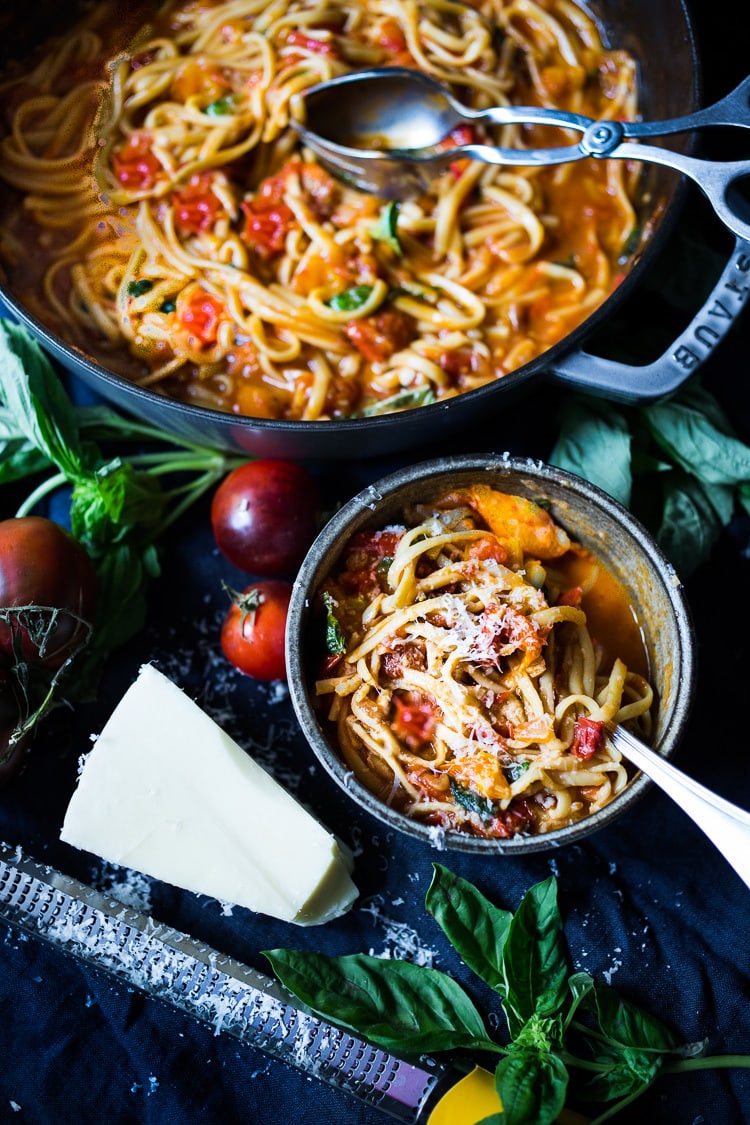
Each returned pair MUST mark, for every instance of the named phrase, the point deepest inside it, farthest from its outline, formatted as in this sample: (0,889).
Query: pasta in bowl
(185,240)
(459,638)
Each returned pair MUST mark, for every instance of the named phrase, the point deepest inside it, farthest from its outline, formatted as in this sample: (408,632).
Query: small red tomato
(264,515)
(42,565)
(252,636)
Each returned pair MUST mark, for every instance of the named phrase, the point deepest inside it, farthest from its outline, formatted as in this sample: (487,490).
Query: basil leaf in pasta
(386,228)
(419,396)
(472,801)
(335,642)
(350,299)
(222,106)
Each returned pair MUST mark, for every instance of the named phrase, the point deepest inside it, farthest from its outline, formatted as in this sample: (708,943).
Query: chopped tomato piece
(588,737)
(201,315)
(266,226)
(434,786)
(488,547)
(134,163)
(461,135)
(572,596)
(195,206)
(380,336)
(414,719)
(462,361)
(267,218)
(311,43)
(505,630)
(367,561)
(331,663)
(391,37)
(518,817)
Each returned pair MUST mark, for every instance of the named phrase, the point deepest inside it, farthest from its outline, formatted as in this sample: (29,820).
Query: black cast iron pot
(660,36)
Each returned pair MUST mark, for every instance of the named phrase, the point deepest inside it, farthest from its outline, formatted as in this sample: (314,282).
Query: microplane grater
(216,989)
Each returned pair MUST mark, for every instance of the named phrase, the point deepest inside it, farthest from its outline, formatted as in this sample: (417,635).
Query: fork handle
(725,824)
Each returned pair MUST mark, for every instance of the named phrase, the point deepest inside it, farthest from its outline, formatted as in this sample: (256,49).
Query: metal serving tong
(725,824)
(381,131)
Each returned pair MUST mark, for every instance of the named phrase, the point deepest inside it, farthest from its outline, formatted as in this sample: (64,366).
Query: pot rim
(129,395)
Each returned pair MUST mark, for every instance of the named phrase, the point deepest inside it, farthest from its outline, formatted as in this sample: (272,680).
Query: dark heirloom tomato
(265,515)
(252,636)
(42,565)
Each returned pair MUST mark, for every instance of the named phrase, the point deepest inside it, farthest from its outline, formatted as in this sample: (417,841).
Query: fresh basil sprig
(676,464)
(568,1034)
(119,508)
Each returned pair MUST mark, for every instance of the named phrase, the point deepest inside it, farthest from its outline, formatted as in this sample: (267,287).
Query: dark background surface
(649,904)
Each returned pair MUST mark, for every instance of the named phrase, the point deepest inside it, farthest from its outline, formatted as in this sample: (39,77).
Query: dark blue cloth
(648,903)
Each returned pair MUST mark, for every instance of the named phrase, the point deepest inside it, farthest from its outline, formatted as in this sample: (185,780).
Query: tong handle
(731,110)
(716,179)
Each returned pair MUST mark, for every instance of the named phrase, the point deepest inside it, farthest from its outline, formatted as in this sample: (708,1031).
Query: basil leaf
(419,396)
(535,964)
(222,106)
(472,801)
(395,1004)
(594,442)
(625,1074)
(631,243)
(517,769)
(121,611)
(694,395)
(581,986)
(19,458)
(350,299)
(33,393)
(531,1087)
(138,288)
(690,525)
(108,504)
(696,444)
(475,928)
(627,1024)
(386,228)
(335,640)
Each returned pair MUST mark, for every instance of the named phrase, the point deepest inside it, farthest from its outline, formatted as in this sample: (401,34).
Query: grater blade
(218,990)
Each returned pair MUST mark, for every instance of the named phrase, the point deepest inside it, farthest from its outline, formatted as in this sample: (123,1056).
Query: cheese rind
(167,792)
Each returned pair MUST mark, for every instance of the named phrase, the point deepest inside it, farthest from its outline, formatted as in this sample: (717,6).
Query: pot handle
(624,382)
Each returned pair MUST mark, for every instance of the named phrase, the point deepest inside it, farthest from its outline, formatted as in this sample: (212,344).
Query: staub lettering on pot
(706,334)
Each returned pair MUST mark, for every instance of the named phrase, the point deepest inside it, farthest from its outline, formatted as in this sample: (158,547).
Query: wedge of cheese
(165,791)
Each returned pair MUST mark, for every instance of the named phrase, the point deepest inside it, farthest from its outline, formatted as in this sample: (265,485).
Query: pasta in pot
(182,235)
(465,684)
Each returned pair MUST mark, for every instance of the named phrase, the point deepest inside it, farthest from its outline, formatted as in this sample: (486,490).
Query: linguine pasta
(167,220)
(465,685)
